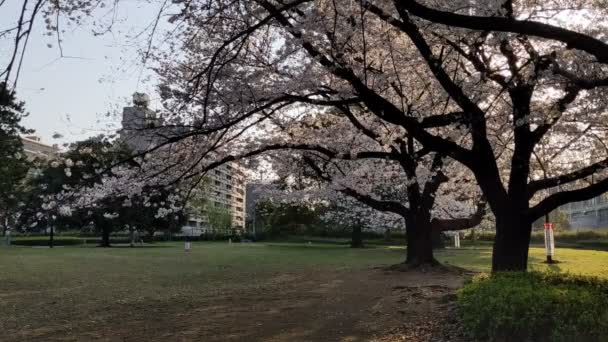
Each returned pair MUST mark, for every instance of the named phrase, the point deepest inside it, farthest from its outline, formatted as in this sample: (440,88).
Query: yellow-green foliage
(535,307)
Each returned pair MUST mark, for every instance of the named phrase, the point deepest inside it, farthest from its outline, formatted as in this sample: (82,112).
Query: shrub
(535,307)
(42,240)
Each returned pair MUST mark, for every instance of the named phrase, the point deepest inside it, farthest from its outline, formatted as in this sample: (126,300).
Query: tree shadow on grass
(553,267)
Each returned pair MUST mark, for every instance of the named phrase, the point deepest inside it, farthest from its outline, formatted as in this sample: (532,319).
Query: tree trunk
(105,238)
(511,244)
(356,240)
(51,237)
(387,235)
(419,241)
(437,236)
(132,236)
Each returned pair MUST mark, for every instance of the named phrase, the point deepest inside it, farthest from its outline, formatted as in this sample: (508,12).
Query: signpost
(549,242)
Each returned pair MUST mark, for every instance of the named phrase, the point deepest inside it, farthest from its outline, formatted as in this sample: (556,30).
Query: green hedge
(61,241)
(566,236)
(535,307)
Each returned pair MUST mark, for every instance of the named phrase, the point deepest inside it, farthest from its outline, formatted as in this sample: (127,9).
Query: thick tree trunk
(356,240)
(512,243)
(419,241)
(105,238)
(419,248)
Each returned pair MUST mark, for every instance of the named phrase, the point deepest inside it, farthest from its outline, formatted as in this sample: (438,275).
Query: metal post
(255,207)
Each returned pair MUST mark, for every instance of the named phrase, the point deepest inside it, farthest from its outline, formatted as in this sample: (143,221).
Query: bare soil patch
(366,305)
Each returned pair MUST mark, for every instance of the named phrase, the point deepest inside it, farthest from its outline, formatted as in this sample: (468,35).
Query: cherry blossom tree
(347,211)
(514,90)
(485,85)
(395,178)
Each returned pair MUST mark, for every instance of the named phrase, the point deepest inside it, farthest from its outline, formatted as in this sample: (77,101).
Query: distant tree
(359,217)
(220,220)
(557,217)
(280,218)
(13,162)
(80,167)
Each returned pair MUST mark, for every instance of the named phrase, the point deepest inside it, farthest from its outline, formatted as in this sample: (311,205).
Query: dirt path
(368,305)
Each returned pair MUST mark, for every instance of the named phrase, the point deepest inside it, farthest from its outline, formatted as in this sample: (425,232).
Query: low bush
(44,241)
(535,307)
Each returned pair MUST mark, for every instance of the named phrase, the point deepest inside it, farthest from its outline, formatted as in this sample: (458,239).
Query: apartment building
(589,214)
(35,148)
(227,190)
(225,186)
(223,190)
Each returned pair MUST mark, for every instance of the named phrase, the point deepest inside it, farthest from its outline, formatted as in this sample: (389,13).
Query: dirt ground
(369,305)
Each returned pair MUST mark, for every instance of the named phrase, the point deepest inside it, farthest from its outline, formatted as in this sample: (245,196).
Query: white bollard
(188,246)
(457,240)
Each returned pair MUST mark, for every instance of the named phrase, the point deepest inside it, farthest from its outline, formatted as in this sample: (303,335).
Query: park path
(349,306)
(315,305)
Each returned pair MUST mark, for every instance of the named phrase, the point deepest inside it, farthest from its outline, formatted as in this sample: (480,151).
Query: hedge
(61,241)
(534,307)
(565,236)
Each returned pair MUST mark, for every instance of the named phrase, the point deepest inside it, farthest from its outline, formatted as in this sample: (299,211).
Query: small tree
(13,162)
(220,220)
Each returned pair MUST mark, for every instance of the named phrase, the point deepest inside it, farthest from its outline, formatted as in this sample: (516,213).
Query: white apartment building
(225,187)
(35,148)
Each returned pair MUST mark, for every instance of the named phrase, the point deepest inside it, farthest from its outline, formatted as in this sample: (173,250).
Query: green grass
(41,287)
(577,261)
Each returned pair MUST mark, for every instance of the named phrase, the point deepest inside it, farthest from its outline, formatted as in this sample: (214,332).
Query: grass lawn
(76,287)
(579,261)
(41,287)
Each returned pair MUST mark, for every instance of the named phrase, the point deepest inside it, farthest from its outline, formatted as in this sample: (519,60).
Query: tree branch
(567,178)
(573,39)
(554,201)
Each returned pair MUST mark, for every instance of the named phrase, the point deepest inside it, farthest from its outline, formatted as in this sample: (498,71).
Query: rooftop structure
(35,148)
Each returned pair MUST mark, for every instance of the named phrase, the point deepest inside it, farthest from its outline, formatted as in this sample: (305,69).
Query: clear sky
(72,96)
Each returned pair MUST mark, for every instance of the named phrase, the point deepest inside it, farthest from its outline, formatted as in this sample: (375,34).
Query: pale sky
(71,96)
